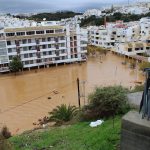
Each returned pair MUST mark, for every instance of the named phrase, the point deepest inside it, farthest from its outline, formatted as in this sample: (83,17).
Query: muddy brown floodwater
(24,98)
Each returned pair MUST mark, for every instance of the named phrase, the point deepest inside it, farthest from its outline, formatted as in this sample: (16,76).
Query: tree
(63,113)
(15,65)
(106,102)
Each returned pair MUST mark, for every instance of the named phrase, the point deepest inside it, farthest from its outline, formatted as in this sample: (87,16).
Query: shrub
(144,65)
(63,113)
(138,88)
(106,102)
(5,132)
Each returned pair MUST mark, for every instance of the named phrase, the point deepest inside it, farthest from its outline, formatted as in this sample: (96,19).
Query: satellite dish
(44,19)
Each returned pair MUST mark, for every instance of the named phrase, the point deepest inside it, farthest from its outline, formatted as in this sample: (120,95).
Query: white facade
(93,12)
(42,45)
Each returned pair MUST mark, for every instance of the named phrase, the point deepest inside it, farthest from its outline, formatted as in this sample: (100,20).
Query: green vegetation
(106,102)
(93,20)
(63,114)
(75,137)
(138,88)
(51,16)
(144,65)
(15,65)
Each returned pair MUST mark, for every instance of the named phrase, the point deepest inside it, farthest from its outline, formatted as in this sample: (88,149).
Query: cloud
(18,6)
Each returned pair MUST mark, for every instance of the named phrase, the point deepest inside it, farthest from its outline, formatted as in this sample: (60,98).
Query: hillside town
(54,42)
(72,80)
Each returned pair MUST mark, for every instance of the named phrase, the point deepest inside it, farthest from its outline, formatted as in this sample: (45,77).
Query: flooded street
(24,98)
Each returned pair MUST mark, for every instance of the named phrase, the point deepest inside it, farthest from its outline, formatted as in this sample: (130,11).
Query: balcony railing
(4,69)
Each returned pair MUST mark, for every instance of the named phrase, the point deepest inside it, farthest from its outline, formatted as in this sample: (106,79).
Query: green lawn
(79,136)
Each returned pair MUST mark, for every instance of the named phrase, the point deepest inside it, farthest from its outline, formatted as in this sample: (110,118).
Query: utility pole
(78,86)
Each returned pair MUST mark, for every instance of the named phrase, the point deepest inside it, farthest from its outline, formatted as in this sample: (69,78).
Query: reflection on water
(24,98)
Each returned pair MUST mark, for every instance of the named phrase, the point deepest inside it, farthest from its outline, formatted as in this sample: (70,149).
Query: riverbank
(73,137)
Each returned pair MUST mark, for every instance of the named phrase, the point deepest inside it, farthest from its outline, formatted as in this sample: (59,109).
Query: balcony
(4,69)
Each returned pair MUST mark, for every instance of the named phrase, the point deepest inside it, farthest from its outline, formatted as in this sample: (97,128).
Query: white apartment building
(93,12)
(42,45)
(107,36)
(124,38)
(132,48)
(145,28)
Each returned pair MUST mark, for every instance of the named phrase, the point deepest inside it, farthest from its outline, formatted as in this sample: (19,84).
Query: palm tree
(63,113)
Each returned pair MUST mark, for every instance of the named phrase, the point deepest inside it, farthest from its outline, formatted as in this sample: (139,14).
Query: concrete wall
(135,133)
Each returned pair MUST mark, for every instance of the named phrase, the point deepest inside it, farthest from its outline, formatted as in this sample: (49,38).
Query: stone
(135,132)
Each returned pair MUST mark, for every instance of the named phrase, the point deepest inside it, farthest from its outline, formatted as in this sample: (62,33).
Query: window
(10,34)
(43,39)
(24,48)
(49,46)
(58,30)
(56,39)
(37,41)
(39,32)
(136,49)
(62,38)
(75,38)
(31,61)
(30,32)
(9,50)
(26,62)
(50,53)
(49,31)
(25,55)
(43,46)
(8,42)
(129,49)
(20,33)
(29,40)
(44,53)
(49,39)
(24,41)
(71,38)
(141,48)
(57,46)
(147,48)
(30,55)
(10,57)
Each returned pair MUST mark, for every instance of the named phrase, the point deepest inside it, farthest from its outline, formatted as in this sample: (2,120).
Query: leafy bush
(106,102)
(138,88)
(5,132)
(144,65)
(63,113)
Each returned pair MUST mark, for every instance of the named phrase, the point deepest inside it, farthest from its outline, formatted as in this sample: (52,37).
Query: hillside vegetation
(93,20)
(51,16)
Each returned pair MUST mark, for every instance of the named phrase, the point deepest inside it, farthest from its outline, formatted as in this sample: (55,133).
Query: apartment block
(42,45)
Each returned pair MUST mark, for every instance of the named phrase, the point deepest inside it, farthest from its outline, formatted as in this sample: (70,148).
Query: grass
(79,136)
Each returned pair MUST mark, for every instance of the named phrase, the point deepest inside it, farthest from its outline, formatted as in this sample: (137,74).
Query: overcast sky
(23,6)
